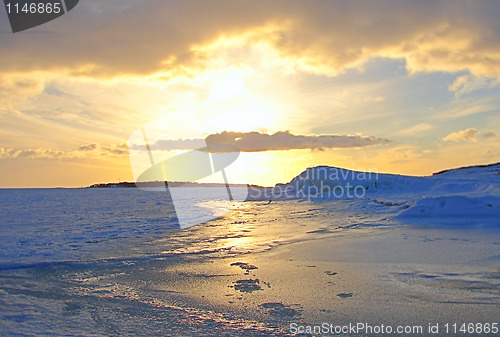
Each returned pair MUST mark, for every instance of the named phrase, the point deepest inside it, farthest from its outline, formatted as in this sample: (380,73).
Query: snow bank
(454,210)
(468,195)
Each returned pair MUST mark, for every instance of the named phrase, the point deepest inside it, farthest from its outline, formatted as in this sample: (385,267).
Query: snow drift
(463,196)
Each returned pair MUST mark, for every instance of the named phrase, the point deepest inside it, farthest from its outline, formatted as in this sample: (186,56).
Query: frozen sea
(44,226)
(60,247)
(114,262)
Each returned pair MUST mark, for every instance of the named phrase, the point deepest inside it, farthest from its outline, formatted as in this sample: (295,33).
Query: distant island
(127,184)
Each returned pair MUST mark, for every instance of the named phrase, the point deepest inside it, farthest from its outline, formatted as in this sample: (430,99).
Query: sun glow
(229,86)
(246,115)
(232,105)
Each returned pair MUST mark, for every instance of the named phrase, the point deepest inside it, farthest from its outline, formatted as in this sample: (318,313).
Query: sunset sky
(409,87)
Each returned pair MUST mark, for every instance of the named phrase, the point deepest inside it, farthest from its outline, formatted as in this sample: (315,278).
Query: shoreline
(323,281)
(268,267)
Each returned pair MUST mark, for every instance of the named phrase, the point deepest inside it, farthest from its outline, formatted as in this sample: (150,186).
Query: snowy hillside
(457,196)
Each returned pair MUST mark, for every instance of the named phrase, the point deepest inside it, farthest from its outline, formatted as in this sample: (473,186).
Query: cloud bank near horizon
(81,152)
(279,141)
(244,141)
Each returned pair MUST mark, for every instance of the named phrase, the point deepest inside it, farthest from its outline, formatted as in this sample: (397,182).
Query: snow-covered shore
(469,195)
(113,262)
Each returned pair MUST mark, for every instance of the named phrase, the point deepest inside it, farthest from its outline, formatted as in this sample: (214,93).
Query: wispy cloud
(39,153)
(467,107)
(466,84)
(459,83)
(416,129)
(83,151)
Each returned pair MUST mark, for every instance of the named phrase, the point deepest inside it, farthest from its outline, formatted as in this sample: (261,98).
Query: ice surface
(101,262)
(40,226)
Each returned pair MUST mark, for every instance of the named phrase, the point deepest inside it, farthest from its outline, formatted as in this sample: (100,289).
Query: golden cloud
(174,37)
(463,135)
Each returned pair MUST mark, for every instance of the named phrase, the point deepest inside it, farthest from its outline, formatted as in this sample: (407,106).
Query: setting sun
(229,86)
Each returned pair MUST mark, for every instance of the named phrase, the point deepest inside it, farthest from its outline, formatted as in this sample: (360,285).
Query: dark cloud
(89,147)
(112,37)
(179,144)
(114,149)
(80,152)
(489,134)
(12,153)
(258,142)
(284,140)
